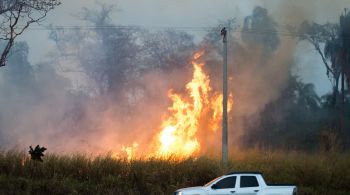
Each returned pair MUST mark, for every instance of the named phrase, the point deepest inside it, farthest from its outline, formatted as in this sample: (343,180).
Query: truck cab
(239,183)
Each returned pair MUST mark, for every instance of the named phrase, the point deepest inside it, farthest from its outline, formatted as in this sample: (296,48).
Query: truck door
(225,186)
(248,185)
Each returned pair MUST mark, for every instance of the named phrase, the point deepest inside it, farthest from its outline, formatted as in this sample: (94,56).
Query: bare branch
(318,49)
(16,16)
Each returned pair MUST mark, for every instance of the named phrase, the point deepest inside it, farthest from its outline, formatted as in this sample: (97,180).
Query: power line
(131,27)
(135,27)
(280,32)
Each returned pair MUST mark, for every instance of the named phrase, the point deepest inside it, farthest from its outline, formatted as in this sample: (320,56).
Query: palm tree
(337,50)
(326,35)
(345,55)
(345,40)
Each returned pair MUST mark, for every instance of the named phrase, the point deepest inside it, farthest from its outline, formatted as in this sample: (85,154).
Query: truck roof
(244,172)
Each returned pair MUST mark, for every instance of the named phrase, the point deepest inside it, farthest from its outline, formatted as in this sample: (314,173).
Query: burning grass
(81,174)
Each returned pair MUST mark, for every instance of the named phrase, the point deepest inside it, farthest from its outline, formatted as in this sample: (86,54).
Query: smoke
(260,75)
(257,82)
(85,109)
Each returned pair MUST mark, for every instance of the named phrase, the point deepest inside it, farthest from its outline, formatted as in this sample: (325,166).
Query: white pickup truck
(239,183)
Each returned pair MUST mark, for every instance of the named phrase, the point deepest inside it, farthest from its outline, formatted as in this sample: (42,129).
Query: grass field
(79,174)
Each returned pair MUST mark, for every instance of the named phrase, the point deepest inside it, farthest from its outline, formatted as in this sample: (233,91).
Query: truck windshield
(211,182)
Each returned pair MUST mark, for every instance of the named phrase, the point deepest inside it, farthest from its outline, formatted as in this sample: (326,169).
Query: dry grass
(79,174)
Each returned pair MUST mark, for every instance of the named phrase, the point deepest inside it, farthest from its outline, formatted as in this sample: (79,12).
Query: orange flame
(216,106)
(130,150)
(179,131)
(178,136)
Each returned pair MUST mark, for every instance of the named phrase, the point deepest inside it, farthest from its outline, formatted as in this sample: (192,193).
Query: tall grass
(81,174)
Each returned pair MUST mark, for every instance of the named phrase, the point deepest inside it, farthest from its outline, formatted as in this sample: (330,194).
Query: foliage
(334,38)
(344,34)
(331,41)
(111,55)
(37,153)
(277,126)
(260,29)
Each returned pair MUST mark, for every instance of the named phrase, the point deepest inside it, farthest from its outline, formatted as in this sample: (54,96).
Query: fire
(178,136)
(199,110)
(130,150)
(216,106)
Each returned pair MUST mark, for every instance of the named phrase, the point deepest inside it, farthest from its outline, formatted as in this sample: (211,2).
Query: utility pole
(224,100)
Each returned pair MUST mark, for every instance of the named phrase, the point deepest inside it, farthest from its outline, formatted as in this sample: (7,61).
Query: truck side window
(228,182)
(249,181)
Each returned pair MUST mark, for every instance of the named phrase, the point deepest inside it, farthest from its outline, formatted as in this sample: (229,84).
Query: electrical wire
(280,32)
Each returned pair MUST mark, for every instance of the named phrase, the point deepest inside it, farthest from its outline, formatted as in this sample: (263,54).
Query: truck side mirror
(214,187)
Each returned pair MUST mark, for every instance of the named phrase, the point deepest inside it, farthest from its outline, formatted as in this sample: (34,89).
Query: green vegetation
(80,174)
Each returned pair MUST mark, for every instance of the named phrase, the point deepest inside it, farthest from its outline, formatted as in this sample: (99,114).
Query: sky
(200,13)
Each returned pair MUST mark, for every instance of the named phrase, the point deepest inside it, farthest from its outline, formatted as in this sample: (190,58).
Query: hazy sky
(200,13)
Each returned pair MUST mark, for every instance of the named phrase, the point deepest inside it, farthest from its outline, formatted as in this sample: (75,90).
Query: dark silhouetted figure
(37,153)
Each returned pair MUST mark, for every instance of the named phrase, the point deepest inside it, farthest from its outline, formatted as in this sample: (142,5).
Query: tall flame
(178,136)
(201,109)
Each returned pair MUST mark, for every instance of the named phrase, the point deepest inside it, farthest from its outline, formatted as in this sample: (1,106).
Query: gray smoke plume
(102,88)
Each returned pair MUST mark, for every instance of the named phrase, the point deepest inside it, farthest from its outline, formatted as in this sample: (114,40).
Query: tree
(104,53)
(259,28)
(292,121)
(37,153)
(342,50)
(326,41)
(334,38)
(345,36)
(16,16)
(324,38)
(167,49)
